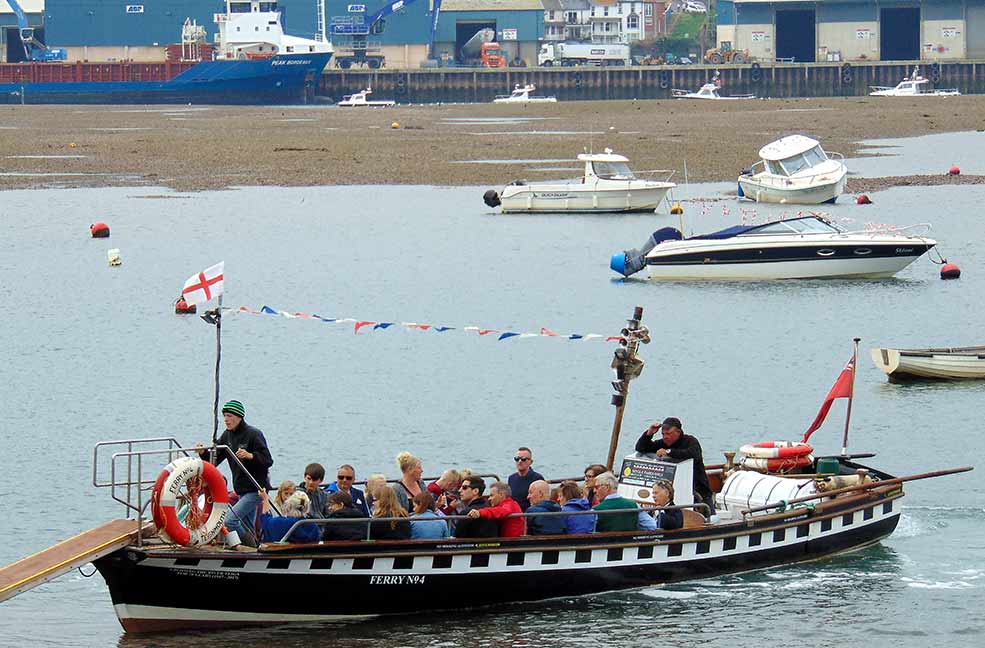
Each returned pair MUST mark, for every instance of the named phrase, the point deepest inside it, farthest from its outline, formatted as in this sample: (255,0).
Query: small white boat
(794,170)
(361,99)
(958,363)
(521,94)
(806,247)
(608,185)
(913,86)
(708,91)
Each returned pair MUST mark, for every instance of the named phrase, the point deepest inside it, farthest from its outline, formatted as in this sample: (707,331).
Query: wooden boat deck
(65,556)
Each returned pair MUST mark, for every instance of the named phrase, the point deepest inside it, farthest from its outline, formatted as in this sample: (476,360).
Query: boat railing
(368,521)
(786,181)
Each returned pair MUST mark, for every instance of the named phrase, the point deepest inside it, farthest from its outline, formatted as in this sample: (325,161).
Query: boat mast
(851,397)
(627,366)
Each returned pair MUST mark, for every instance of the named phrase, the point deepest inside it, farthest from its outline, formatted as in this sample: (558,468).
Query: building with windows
(854,30)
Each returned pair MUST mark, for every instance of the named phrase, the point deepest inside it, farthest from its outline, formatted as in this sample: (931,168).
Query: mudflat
(191,148)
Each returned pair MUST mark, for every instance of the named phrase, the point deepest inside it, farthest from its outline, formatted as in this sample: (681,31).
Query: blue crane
(34,50)
(357,26)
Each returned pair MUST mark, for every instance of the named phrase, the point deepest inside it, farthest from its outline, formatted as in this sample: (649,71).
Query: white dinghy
(794,170)
(956,363)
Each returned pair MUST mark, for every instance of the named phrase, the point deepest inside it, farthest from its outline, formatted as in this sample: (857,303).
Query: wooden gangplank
(65,556)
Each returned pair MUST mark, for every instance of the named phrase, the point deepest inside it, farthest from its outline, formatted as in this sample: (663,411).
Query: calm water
(94,353)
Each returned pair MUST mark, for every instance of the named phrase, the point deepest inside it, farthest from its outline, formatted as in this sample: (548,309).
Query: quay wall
(778,80)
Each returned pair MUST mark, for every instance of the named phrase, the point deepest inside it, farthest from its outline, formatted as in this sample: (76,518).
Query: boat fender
(677,209)
(935,72)
(755,73)
(664,79)
(629,262)
(164,501)
(863,200)
(950,271)
(846,74)
(776,449)
(99,230)
(954,170)
(491,198)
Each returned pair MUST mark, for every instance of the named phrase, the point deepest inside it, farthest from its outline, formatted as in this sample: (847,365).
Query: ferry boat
(794,170)
(255,63)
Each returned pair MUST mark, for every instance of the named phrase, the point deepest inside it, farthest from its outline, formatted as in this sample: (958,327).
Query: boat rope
(785,505)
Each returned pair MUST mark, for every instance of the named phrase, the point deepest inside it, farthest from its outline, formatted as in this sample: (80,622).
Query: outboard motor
(491,198)
(630,262)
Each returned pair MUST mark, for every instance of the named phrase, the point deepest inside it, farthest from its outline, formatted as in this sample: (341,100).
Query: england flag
(204,286)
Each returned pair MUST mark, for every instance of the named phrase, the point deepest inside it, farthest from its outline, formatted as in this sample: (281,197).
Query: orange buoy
(863,200)
(99,230)
(181,307)
(950,271)
(954,170)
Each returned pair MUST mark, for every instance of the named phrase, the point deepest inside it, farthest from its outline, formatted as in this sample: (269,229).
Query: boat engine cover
(629,262)
(491,198)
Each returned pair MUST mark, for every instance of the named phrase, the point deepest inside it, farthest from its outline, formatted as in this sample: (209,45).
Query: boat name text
(292,62)
(205,573)
(410,579)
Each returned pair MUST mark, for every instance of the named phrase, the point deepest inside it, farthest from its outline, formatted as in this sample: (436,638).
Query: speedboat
(805,247)
(913,86)
(794,170)
(521,94)
(361,99)
(954,363)
(608,185)
(707,91)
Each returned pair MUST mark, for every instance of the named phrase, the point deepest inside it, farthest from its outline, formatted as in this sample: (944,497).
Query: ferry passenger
(607,487)
(387,506)
(591,473)
(447,486)
(274,527)
(541,502)
(344,480)
(675,446)
(374,482)
(250,447)
(475,527)
(663,495)
(340,507)
(314,474)
(524,476)
(425,523)
(285,490)
(501,506)
(571,498)
(410,483)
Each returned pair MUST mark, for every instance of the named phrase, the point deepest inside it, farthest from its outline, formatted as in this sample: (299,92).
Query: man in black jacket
(470,494)
(675,446)
(340,507)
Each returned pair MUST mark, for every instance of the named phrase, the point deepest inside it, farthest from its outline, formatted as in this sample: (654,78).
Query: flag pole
(851,397)
(218,359)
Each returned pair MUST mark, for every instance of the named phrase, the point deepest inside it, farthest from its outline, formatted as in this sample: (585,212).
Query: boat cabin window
(613,170)
(796,226)
(795,164)
(816,155)
(775,168)
(239,7)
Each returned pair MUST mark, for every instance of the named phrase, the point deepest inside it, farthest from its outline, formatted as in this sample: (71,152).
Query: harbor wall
(463,85)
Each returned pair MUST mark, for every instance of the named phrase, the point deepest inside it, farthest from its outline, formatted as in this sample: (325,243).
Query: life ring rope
(183,481)
(776,449)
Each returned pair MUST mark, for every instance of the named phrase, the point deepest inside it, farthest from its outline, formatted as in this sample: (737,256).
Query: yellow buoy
(677,209)
(72,144)
(395,125)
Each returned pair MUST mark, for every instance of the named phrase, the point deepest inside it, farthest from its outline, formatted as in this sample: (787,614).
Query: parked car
(694,6)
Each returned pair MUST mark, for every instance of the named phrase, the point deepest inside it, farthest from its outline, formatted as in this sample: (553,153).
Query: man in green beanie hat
(250,447)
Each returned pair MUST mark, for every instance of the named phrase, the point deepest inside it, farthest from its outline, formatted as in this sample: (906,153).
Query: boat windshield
(775,168)
(805,160)
(806,225)
(613,170)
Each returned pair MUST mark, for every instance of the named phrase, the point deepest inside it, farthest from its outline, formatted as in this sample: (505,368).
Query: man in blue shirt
(344,480)
(524,476)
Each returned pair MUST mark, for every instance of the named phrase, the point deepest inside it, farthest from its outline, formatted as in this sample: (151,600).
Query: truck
(583,54)
(490,55)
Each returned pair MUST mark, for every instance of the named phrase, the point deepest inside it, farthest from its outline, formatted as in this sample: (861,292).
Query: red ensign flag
(841,389)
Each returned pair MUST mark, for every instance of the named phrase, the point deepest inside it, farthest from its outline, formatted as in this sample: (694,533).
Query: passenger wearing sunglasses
(344,480)
(524,476)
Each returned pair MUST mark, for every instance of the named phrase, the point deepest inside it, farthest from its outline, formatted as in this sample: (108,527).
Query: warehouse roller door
(899,38)
(975,30)
(795,35)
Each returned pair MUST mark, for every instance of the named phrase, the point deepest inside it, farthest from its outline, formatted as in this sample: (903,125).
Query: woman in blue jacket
(571,499)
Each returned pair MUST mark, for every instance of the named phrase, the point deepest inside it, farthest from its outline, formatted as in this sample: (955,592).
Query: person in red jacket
(501,505)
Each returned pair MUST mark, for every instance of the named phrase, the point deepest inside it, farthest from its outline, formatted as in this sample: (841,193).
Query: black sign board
(643,472)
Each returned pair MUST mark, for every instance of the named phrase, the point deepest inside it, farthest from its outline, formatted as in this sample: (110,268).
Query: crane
(34,50)
(357,26)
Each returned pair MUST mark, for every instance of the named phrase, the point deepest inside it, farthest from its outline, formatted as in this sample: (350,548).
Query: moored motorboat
(913,86)
(608,185)
(949,363)
(360,99)
(804,247)
(709,90)
(521,94)
(794,170)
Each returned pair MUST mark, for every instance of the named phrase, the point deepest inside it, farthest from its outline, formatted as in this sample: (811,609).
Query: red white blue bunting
(365,325)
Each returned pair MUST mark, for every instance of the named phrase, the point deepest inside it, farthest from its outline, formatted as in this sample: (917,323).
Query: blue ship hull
(283,79)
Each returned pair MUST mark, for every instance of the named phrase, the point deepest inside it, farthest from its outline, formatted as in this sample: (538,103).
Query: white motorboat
(913,86)
(608,185)
(957,363)
(361,99)
(708,91)
(521,94)
(805,247)
(794,170)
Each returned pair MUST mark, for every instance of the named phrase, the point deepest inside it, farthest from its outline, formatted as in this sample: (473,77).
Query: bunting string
(366,325)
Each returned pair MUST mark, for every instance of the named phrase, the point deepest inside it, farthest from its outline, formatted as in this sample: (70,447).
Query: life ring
(177,475)
(777,465)
(776,449)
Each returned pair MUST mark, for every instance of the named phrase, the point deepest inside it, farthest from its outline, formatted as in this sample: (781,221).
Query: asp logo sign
(357,8)
(135,9)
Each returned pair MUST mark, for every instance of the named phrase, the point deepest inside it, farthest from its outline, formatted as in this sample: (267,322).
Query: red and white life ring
(169,484)
(777,464)
(776,449)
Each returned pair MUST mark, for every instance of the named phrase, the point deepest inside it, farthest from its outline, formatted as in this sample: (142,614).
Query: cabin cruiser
(794,170)
(805,247)
(708,91)
(361,99)
(913,86)
(608,185)
(521,94)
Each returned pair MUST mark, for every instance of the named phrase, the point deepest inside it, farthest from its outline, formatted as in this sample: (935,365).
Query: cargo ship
(254,63)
